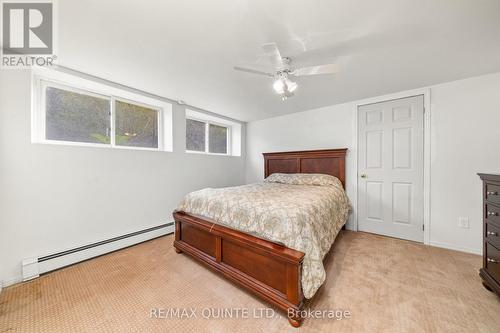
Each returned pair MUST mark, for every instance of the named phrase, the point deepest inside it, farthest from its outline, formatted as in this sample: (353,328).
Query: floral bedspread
(306,218)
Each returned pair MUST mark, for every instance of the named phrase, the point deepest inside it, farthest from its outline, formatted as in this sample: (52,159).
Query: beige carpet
(388,285)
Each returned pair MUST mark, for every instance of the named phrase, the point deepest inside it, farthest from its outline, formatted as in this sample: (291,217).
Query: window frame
(207,137)
(39,112)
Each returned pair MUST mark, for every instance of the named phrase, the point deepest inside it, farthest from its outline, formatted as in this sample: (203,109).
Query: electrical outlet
(463,222)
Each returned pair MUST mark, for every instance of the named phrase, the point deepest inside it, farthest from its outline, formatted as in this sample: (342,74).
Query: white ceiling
(186,49)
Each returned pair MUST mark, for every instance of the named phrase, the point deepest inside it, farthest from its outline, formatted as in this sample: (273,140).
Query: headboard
(327,161)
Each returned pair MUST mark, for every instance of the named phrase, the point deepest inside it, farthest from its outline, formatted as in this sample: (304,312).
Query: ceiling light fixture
(279,68)
(284,86)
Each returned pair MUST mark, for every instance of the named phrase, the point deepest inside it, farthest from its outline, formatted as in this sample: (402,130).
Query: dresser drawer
(493,235)
(492,193)
(492,213)
(493,261)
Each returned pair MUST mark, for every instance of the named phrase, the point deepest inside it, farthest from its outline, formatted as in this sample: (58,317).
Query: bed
(263,265)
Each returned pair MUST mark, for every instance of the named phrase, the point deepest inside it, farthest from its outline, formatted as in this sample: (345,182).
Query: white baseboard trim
(456,248)
(59,262)
(349,227)
(62,259)
(9,282)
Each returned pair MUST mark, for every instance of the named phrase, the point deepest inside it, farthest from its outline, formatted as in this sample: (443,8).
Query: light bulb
(279,86)
(291,86)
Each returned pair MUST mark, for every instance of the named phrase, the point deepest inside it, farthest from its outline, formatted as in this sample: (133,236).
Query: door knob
(363,176)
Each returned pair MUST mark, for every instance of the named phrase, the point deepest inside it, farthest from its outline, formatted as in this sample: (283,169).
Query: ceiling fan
(283,68)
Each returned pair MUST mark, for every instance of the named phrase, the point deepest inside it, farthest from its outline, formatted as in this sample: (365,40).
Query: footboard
(270,270)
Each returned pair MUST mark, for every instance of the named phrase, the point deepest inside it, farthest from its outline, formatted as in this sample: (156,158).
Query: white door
(391,168)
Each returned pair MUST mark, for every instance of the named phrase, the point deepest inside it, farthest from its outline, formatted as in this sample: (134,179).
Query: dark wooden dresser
(490,273)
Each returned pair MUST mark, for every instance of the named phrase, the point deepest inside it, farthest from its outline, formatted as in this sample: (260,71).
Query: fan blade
(253,71)
(273,53)
(316,70)
(333,46)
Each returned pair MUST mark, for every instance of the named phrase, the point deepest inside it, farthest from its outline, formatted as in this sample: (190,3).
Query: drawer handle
(491,193)
(492,261)
(491,233)
(492,213)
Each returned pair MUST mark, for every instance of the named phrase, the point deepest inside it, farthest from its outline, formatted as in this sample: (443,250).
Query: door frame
(426,93)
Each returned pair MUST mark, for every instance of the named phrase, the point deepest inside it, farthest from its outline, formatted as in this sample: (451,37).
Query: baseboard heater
(33,267)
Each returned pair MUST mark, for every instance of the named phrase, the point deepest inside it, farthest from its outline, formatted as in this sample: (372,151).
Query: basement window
(206,137)
(73,111)
(196,133)
(210,134)
(75,116)
(136,125)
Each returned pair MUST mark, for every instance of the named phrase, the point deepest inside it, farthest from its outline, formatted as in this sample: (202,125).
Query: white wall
(465,116)
(329,127)
(55,197)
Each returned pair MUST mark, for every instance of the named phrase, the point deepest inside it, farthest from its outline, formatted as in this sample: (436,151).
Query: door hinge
(423,227)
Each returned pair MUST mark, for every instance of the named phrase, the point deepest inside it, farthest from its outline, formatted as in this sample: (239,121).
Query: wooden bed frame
(271,271)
